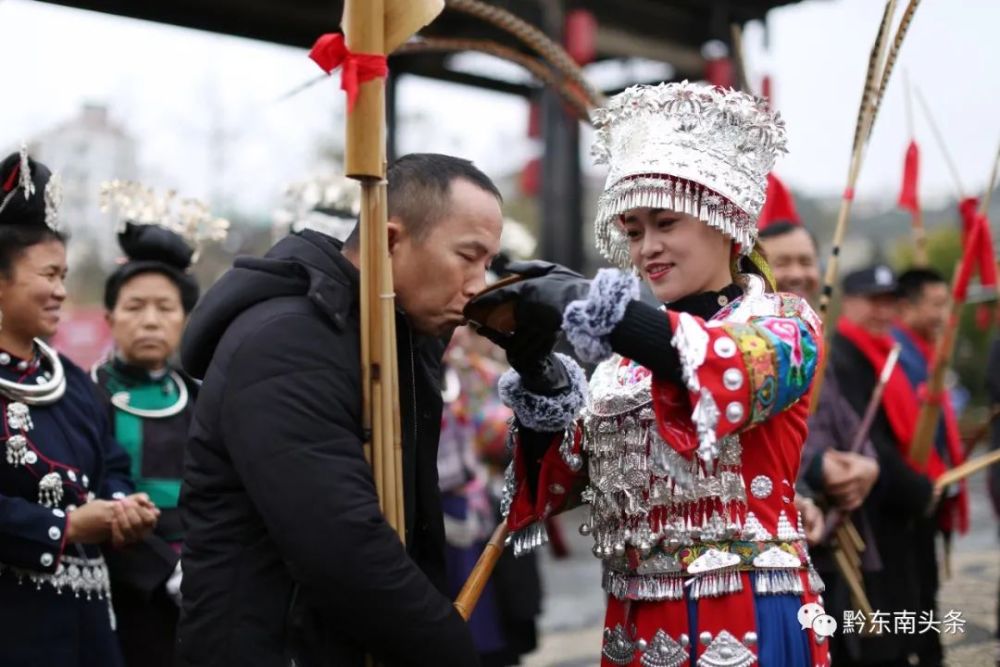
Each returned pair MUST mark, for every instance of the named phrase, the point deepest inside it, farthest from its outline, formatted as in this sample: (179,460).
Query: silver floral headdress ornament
(138,204)
(685,147)
(23,180)
(329,204)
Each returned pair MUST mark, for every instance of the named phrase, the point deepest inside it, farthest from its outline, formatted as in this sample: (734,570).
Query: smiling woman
(64,484)
(688,445)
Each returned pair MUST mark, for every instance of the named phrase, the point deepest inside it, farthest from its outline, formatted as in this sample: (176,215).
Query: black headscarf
(17,207)
(153,249)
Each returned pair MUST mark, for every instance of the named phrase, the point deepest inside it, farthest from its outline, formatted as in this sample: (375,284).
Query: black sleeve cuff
(643,335)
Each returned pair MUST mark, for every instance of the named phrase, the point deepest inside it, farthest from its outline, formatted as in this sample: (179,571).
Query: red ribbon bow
(330,52)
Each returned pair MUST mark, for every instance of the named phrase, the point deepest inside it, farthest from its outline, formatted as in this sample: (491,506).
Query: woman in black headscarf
(150,402)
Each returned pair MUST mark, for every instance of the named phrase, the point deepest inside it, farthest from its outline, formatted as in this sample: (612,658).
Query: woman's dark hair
(419,190)
(16,239)
(153,249)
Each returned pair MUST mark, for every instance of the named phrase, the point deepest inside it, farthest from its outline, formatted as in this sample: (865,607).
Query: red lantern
(581,36)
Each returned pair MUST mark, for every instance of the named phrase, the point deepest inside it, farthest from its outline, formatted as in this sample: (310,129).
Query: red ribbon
(968,261)
(978,241)
(330,52)
(849,194)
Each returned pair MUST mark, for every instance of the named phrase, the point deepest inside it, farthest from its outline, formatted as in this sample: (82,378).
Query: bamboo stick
(958,473)
(739,63)
(930,410)
(942,146)
(862,131)
(919,239)
(474,585)
(854,583)
(919,232)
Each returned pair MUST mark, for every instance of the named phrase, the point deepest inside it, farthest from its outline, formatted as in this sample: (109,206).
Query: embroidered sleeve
(755,361)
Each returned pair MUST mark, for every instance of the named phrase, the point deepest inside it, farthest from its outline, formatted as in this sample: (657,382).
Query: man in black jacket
(287,559)
(903,499)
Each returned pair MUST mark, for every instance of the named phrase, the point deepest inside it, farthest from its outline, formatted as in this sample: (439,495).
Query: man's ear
(397,234)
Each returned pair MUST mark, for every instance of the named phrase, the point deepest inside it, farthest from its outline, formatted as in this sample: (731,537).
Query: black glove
(540,299)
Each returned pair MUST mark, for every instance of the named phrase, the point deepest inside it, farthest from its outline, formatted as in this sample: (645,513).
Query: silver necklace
(121,399)
(46,393)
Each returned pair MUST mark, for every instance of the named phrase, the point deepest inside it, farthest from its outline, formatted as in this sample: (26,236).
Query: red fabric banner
(908,194)
(977,240)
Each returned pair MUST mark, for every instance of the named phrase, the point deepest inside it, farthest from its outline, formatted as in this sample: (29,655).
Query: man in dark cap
(903,496)
(287,558)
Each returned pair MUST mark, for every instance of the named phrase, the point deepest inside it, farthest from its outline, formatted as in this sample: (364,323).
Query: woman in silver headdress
(687,448)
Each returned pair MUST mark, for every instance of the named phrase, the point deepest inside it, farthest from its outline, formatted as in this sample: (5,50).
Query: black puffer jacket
(287,559)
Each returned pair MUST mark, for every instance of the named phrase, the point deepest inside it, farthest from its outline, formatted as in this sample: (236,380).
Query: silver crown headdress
(329,204)
(685,147)
(189,218)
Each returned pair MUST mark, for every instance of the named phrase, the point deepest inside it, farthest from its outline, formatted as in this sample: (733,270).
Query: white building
(87,150)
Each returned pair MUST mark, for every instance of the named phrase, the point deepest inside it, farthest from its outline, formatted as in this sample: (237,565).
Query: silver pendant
(19,417)
(17,450)
(50,490)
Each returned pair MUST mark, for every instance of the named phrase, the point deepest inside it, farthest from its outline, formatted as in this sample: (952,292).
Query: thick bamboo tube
(364,29)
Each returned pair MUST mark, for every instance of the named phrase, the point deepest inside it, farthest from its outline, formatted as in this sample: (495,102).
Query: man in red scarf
(923,314)
(903,498)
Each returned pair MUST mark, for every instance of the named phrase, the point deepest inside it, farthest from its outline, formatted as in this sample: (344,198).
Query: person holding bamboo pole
(924,306)
(843,478)
(904,496)
(288,558)
(688,446)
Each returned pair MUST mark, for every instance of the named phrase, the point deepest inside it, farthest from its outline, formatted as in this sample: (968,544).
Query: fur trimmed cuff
(589,322)
(546,413)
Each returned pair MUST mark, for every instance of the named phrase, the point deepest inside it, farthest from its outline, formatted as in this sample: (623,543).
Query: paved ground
(571,623)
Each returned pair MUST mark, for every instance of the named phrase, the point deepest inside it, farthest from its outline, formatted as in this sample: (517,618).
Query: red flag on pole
(778,204)
(908,193)
(976,232)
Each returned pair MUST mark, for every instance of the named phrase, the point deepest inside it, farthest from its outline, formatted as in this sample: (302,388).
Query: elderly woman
(688,446)
(64,482)
(150,402)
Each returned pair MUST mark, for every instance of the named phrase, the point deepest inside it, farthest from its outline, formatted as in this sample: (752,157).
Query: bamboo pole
(739,63)
(862,131)
(939,140)
(467,598)
(919,231)
(958,473)
(930,409)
